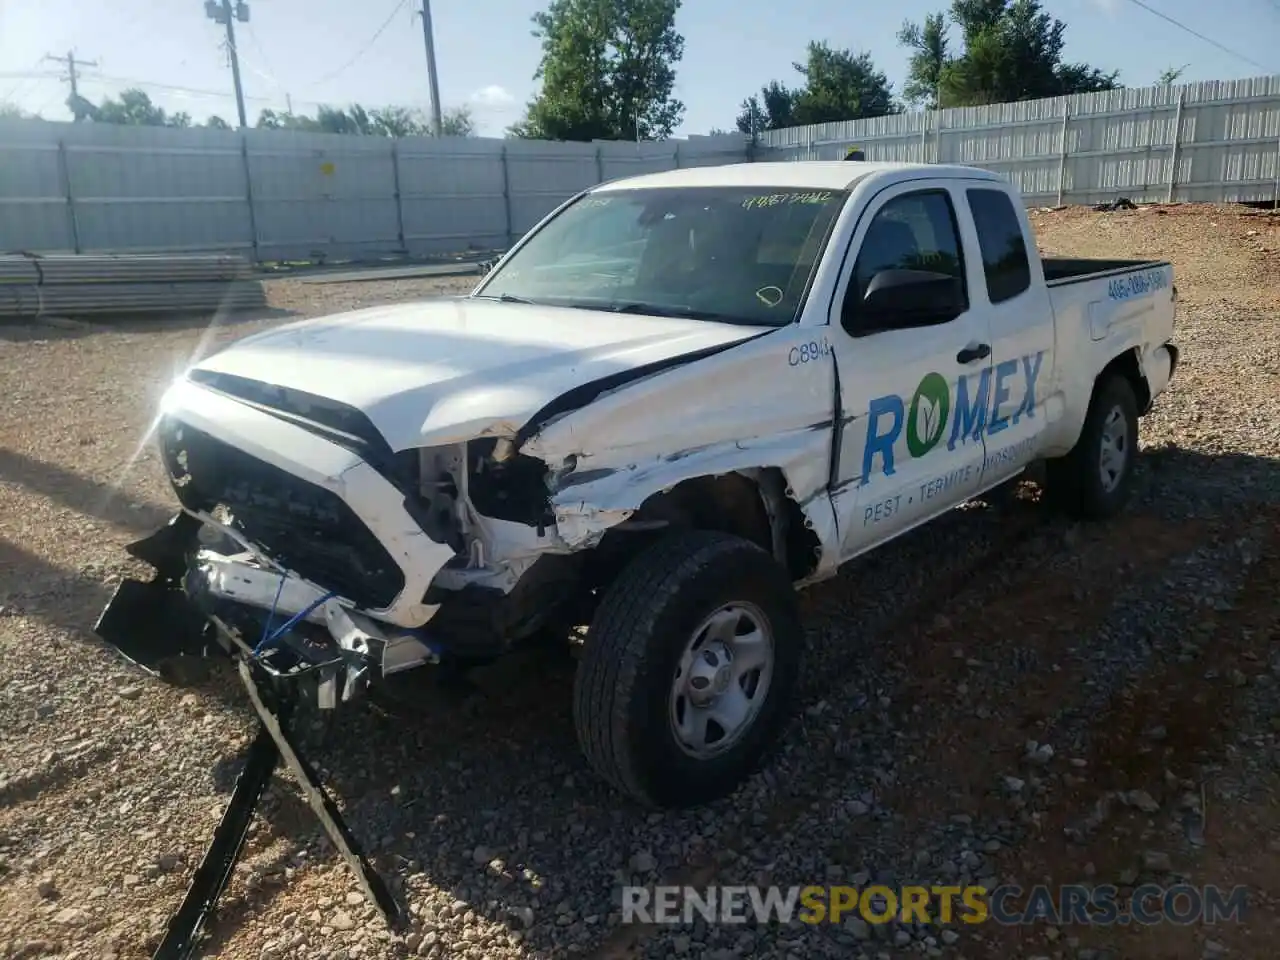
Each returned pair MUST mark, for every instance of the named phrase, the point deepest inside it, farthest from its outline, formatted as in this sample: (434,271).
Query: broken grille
(303,527)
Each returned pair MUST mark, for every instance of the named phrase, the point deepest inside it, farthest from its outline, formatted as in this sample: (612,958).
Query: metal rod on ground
(1062,152)
(1177,142)
(64,174)
(395,183)
(506,197)
(432,81)
(1275,196)
(248,192)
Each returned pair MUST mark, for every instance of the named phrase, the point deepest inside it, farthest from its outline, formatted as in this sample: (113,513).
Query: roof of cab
(801,174)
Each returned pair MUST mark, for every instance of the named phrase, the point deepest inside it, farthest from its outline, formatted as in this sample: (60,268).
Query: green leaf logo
(927,415)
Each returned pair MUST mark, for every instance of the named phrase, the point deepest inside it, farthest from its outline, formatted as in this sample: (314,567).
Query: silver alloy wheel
(1114,449)
(722,680)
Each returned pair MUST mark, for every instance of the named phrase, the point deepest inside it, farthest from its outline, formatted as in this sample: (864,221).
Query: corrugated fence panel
(453,194)
(144,189)
(1221,144)
(34,214)
(621,159)
(541,176)
(711,151)
(280,194)
(317,194)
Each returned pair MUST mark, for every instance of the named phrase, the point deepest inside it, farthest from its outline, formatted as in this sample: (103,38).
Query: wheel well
(756,508)
(1126,365)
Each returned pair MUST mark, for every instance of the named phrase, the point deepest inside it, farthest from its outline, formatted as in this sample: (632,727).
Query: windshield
(733,254)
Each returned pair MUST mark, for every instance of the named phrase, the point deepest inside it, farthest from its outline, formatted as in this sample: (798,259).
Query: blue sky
(486,55)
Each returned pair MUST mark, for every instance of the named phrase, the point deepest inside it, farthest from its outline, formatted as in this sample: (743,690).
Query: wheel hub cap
(1113,449)
(722,680)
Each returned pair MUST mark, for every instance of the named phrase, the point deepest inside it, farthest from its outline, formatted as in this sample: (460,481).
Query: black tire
(1074,483)
(625,678)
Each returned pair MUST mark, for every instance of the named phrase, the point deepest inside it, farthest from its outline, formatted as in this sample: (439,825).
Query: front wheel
(1095,480)
(688,669)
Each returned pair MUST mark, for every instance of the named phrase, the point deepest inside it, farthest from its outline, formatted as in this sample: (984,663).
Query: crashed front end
(307,544)
(323,563)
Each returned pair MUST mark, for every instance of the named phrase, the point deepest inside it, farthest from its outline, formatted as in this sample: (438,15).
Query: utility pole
(220,11)
(72,77)
(432,81)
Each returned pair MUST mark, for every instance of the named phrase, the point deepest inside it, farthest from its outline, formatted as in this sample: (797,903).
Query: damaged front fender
(706,419)
(586,511)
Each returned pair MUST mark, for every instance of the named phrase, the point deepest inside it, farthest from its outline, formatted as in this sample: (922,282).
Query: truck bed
(1061,270)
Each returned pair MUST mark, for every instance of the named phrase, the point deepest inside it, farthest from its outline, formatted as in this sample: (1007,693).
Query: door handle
(970,354)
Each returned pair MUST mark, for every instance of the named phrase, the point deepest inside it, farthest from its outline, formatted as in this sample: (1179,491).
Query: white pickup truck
(677,399)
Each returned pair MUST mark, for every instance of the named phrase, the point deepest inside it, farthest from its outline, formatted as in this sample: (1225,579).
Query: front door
(911,444)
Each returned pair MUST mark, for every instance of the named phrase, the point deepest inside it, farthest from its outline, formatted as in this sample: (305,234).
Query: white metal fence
(1216,142)
(281,195)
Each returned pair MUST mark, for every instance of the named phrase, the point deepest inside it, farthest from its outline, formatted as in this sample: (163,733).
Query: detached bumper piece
(150,623)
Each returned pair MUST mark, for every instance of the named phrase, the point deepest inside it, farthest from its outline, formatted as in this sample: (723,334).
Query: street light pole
(432,80)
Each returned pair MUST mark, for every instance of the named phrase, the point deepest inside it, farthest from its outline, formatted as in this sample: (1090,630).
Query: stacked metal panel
(70,285)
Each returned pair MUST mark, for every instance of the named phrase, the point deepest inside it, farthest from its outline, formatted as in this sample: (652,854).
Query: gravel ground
(1003,697)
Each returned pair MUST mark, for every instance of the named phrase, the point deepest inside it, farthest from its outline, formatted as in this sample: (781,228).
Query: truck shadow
(26,330)
(90,498)
(491,809)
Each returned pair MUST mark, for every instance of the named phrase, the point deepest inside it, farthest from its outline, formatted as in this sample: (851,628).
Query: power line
(175,88)
(156,85)
(29,75)
(267,73)
(24,77)
(364,49)
(1201,36)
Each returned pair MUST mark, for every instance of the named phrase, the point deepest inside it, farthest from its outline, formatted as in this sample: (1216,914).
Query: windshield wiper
(504,298)
(680,313)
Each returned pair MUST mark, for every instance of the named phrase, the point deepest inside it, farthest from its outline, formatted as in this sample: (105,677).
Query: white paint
(450,370)
(440,374)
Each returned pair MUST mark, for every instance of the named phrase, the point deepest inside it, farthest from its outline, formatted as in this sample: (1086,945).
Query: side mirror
(904,298)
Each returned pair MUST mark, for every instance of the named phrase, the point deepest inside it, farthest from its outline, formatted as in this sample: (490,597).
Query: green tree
(929,55)
(10,111)
(1011,50)
(838,85)
(1171,74)
(133,108)
(217,123)
(370,121)
(607,71)
(773,109)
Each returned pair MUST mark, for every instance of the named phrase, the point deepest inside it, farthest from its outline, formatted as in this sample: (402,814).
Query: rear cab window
(1003,244)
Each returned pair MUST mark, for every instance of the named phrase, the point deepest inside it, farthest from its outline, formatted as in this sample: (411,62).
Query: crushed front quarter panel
(755,405)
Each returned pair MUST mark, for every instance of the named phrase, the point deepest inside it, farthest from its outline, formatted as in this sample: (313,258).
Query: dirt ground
(1144,654)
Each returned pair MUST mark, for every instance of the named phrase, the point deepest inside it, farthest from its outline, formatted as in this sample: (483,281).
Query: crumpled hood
(443,371)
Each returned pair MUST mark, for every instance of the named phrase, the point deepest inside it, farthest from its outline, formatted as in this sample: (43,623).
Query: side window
(916,231)
(1003,244)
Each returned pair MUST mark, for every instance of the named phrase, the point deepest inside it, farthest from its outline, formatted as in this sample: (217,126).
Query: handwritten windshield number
(808,352)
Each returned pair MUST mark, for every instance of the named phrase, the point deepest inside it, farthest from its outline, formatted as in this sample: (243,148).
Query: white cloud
(492,96)
(1105,6)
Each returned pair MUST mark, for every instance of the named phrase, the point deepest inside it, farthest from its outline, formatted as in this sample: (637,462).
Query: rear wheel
(688,669)
(1095,480)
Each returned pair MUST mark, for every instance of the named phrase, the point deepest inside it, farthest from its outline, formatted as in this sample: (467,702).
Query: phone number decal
(1137,284)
